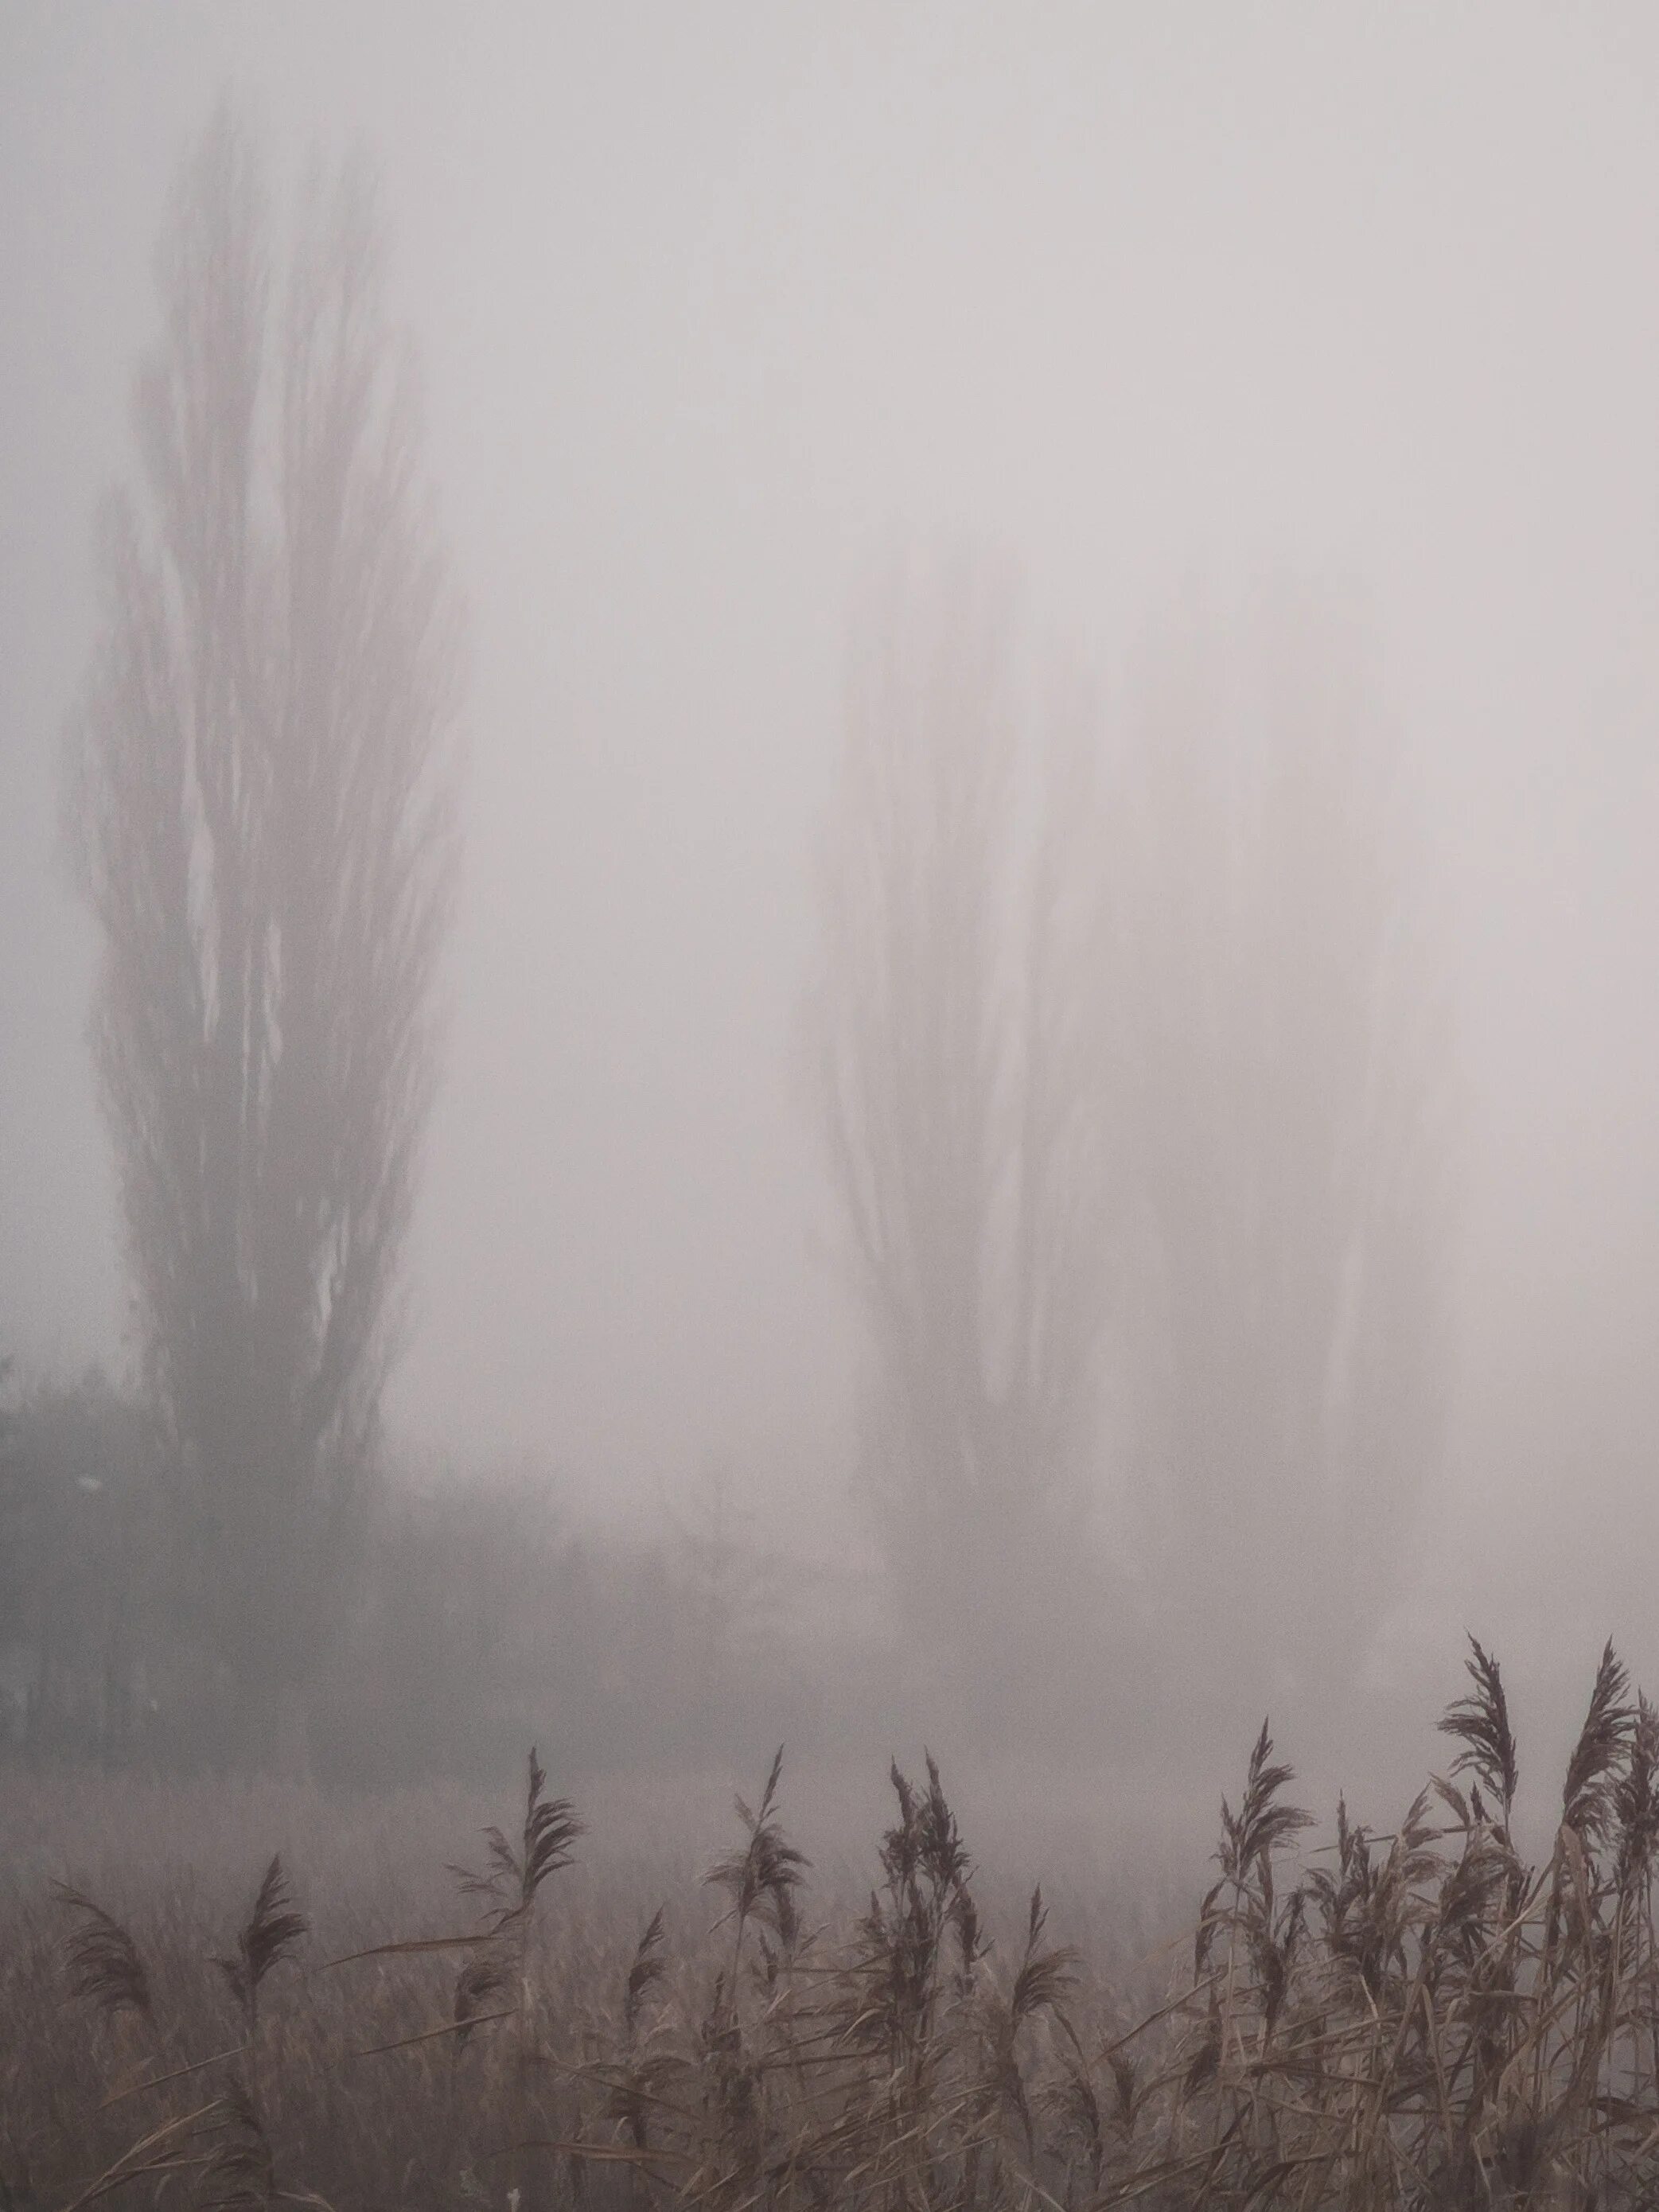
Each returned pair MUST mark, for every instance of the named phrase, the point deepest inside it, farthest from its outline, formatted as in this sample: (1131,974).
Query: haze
(1173,311)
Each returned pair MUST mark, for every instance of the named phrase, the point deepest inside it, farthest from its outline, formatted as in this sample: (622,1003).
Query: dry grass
(1420,2018)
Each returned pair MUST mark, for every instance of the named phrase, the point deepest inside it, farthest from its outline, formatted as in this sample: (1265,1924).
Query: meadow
(255,1994)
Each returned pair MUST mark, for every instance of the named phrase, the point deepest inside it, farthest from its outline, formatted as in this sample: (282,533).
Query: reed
(1382,2021)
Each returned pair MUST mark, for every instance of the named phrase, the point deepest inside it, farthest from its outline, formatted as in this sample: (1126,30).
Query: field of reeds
(1426,2017)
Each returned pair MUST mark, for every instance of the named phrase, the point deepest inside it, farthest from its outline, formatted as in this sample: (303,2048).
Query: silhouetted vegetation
(469,1602)
(261,811)
(1421,2017)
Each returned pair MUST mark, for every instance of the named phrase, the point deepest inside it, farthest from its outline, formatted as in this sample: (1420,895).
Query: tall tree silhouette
(958,1103)
(261,804)
(1284,1140)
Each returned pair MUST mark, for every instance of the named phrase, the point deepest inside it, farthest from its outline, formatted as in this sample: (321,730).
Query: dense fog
(1020,646)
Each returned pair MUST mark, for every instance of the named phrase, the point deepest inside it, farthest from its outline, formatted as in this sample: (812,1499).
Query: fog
(1202,327)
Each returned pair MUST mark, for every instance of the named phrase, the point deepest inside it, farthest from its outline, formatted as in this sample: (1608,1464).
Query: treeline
(1131,1058)
(473,1612)
(470,1613)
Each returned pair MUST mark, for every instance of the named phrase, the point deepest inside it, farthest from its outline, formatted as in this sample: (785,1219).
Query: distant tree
(1137,1095)
(1283,1145)
(955,1074)
(729,1588)
(470,1633)
(78,1496)
(260,803)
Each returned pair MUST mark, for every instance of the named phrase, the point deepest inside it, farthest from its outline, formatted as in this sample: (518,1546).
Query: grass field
(246,1995)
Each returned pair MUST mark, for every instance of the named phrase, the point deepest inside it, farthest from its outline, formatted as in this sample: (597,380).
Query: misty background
(1176,314)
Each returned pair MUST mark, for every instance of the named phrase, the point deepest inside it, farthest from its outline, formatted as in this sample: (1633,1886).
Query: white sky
(721,303)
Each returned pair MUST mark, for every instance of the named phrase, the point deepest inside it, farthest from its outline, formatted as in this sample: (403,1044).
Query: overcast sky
(720,304)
